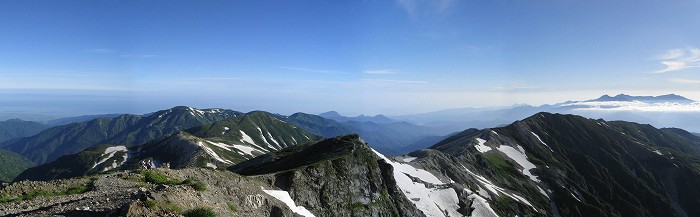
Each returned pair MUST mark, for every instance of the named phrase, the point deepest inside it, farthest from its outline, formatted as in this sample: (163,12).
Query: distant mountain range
(380,119)
(661,111)
(628,98)
(126,130)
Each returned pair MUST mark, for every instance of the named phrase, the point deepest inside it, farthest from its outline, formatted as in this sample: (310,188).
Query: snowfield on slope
(538,138)
(517,155)
(286,199)
(481,205)
(110,151)
(436,201)
(496,190)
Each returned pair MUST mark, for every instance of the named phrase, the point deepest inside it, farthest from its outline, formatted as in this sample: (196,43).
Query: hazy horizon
(68,58)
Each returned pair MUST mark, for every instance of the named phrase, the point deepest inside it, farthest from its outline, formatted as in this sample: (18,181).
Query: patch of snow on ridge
(481,147)
(211,165)
(518,155)
(542,191)
(261,136)
(273,139)
(439,200)
(221,145)
(246,138)
(110,151)
(658,152)
(246,149)
(286,199)
(496,190)
(481,205)
(213,154)
(545,144)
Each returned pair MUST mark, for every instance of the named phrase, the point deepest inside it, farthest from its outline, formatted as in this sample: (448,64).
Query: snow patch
(545,144)
(273,139)
(211,165)
(261,136)
(213,154)
(221,145)
(246,149)
(497,190)
(432,201)
(481,206)
(542,191)
(246,138)
(110,151)
(286,199)
(575,197)
(518,155)
(481,147)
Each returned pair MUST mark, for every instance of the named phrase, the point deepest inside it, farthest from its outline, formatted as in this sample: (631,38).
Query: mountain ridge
(125,130)
(602,156)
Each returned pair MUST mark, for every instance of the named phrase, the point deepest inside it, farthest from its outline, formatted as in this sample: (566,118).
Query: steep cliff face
(334,177)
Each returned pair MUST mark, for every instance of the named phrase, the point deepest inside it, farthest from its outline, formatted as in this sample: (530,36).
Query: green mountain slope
(12,165)
(223,143)
(125,130)
(15,128)
(586,167)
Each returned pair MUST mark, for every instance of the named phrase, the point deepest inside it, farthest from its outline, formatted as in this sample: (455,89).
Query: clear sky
(391,57)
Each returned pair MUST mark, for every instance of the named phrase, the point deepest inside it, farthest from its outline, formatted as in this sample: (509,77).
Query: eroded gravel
(124,194)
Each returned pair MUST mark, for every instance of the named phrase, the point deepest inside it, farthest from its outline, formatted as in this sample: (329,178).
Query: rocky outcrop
(339,177)
(127,194)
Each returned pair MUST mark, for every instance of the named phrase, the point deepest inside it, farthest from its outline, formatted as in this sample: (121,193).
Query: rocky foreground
(132,194)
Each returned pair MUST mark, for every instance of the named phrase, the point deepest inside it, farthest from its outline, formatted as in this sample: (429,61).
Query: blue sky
(391,57)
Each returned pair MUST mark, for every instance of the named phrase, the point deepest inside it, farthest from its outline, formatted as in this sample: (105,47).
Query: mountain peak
(330,114)
(625,97)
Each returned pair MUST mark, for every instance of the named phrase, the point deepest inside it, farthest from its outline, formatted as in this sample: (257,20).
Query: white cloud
(637,106)
(381,72)
(679,59)
(671,54)
(684,81)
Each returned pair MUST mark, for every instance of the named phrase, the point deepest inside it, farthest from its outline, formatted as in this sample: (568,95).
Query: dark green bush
(199,186)
(200,212)
(157,178)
